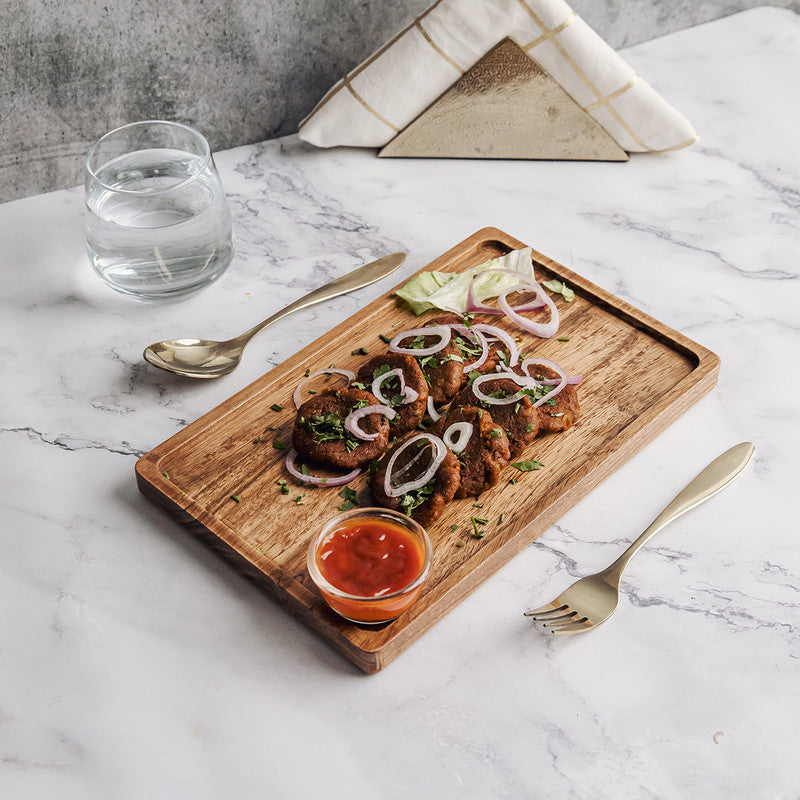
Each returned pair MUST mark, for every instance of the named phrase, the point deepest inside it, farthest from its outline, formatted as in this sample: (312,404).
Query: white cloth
(382,95)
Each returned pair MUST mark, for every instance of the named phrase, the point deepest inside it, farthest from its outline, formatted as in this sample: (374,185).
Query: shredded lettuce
(449,291)
(422,286)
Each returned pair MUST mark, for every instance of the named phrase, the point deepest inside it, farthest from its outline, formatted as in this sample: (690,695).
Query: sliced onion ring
(544,330)
(464,432)
(298,397)
(432,412)
(440,451)
(520,380)
(339,480)
(351,420)
(479,338)
(504,337)
(473,304)
(402,471)
(409,394)
(443,331)
(545,362)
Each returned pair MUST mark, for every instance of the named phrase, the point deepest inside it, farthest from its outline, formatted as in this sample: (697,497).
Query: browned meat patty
(444,371)
(520,420)
(319,432)
(486,453)
(426,504)
(561,411)
(470,351)
(409,415)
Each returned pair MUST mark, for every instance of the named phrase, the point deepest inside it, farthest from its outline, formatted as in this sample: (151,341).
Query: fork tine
(574,627)
(557,622)
(550,608)
(549,622)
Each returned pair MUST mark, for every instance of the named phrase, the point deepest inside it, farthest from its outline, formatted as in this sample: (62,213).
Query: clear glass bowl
(371,609)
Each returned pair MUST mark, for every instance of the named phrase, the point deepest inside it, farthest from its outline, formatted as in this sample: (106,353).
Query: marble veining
(135,664)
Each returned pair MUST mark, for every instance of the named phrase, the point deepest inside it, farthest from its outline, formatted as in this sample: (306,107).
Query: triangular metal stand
(505,106)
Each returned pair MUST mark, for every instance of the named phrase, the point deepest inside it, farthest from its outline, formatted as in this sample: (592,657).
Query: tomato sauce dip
(371,562)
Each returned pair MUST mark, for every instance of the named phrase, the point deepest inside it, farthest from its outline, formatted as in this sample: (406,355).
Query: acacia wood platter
(639,377)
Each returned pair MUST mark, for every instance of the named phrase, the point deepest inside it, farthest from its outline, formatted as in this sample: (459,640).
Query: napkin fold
(374,102)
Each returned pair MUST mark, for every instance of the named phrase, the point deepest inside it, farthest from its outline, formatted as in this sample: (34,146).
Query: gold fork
(593,599)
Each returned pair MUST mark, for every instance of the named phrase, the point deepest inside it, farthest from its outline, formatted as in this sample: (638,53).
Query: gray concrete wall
(239,70)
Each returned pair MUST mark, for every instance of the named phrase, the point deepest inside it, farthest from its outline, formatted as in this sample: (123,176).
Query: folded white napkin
(375,101)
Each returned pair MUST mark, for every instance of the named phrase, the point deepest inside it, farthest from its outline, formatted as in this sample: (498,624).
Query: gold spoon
(205,358)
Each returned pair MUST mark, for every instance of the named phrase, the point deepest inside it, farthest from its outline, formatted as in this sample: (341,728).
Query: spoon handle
(714,478)
(357,279)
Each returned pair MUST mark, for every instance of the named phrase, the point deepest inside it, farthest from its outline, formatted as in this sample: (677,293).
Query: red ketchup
(370,560)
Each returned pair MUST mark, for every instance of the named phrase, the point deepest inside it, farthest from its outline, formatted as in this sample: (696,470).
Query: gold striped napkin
(375,101)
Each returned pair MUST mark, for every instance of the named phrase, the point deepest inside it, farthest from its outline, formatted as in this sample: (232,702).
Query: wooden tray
(639,377)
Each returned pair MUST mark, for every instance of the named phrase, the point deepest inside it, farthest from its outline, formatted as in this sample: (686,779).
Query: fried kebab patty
(561,411)
(520,420)
(409,415)
(319,432)
(444,371)
(486,453)
(426,504)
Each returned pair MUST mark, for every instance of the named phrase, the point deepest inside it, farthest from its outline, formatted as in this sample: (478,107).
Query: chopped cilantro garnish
(478,533)
(529,427)
(563,338)
(278,444)
(527,466)
(501,519)
(538,392)
(235,498)
(453,528)
(384,338)
(496,433)
(166,475)
(411,500)
(299,499)
(350,497)
(276,407)
(329,428)
(361,351)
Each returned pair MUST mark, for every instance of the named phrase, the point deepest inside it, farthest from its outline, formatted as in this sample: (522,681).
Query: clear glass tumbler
(157,222)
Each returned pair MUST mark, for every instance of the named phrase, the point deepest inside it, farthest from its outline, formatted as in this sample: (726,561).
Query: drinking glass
(157,222)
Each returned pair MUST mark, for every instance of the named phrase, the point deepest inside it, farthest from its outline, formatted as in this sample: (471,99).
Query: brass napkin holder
(506,106)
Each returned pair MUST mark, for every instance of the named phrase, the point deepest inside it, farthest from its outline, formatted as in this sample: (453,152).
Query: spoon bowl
(196,358)
(206,358)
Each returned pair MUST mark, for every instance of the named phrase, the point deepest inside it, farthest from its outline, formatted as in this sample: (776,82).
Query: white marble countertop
(135,664)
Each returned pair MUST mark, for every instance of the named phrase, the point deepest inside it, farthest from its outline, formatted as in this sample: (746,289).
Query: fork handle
(713,479)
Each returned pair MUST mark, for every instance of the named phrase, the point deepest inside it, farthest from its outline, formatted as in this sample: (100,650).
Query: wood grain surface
(639,376)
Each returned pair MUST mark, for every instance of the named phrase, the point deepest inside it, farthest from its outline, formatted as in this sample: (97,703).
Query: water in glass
(157,223)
